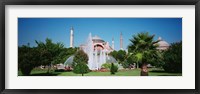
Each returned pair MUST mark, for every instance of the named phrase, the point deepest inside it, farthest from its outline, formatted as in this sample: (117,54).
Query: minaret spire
(113,45)
(121,41)
(71,37)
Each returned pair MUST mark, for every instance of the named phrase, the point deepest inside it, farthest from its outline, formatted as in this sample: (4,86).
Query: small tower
(159,38)
(72,37)
(113,45)
(121,42)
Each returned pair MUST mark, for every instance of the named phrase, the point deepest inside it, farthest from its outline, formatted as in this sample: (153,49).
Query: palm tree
(143,49)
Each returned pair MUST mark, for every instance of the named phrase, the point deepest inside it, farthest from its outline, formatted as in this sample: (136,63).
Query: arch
(98,46)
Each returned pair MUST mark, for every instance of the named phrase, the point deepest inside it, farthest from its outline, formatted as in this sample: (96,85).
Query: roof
(162,43)
(97,39)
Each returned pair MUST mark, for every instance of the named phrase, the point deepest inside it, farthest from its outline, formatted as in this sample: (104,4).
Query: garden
(142,59)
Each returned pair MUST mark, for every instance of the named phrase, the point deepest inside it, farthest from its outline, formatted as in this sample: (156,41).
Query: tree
(113,68)
(49,51)
(79,63)
(143,48)
(106,65)
(81,68)
(173,58)
(28,59)
(121,55)
(80,56)
(128,62)
(114,54)
(64,55)
(138,58)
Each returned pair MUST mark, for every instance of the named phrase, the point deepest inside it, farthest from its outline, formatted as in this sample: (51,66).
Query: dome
(162,43)
(97,39)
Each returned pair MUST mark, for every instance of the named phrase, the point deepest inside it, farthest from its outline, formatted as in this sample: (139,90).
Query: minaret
(113,45)
(121,42)
(72,37)
(159,38)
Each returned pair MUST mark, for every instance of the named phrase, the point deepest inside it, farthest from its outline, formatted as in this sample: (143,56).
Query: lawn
(132,72)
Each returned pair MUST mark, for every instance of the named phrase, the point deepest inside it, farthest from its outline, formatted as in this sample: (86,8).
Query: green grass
(133,72)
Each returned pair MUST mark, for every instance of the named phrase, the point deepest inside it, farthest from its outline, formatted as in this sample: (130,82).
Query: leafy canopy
(143,48)
(173,58)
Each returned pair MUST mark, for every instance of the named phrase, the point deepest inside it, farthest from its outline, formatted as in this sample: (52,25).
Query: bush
(81,68)
(128,62)
(120,55)
(106,65)
(125,64)
(173,58)
(79,64)
(28,59)
(80,56)
(113,68)
(26,67)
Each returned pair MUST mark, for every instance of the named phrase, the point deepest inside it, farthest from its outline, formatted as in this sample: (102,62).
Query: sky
(58,29)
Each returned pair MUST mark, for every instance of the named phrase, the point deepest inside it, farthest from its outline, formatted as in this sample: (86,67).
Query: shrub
(79,64)
(173,58)
(80,56)
(125,64)
(113,68)
(130,60)
(81,68)
(106,65)
(26,67)
(28,58)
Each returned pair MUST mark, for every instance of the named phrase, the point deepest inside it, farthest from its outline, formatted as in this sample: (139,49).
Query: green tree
(113,68)
(81,68)
(173,58)
(143,48)
(121,55)
(80,63)
(106,65)
(64,54)
(138,58)
(80,56)
(129,61)
(28,58)
(114,54)
(49,51)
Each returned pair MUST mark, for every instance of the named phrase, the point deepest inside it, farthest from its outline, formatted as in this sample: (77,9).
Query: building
(162,45)
(99,44)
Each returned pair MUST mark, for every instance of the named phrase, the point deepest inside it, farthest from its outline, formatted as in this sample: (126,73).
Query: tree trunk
(82,74)
(144,70)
